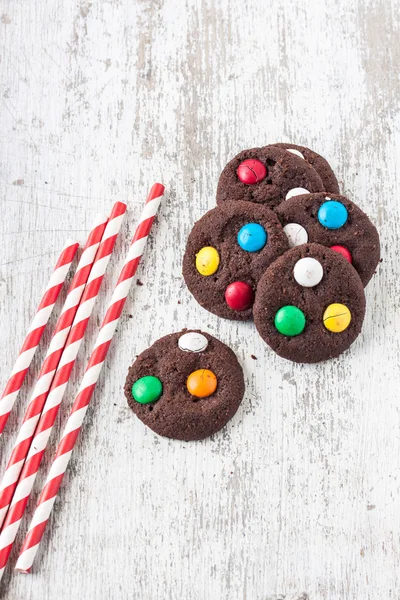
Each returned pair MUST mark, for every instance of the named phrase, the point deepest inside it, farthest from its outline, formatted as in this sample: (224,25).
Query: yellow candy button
(207,261)
(201,383)
(337,318)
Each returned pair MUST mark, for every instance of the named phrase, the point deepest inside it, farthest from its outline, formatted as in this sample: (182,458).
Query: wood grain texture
(300,493)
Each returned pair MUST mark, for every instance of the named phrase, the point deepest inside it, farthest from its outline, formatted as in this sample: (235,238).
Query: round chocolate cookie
(310,304)
(267,176)
(318,162)
(227,251)
(186,386)
(336,222)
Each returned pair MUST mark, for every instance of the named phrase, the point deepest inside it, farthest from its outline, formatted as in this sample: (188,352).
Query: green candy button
(147,389)
(290,320)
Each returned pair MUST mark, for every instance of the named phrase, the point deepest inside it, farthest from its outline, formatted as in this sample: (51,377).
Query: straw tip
(23,571)
(100,219)
(71,243)
(157,188)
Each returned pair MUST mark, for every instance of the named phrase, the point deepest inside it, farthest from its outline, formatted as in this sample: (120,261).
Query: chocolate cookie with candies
(336,222)
(267,175)
(227,252)
(186,386)
(318,162)
(310,304)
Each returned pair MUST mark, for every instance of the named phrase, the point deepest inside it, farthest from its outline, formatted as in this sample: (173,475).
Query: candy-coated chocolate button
(147,389)
(251,171)
(290,320)
(344,252)
(201,383)
(337,318)
(207,261)
(308,272)
(296,152)
(239,295)
(193,342)
(296,192)
(252,237)
(332,214)
(296,234)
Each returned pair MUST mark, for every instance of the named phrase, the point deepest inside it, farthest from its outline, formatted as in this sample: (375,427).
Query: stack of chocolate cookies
(284,247)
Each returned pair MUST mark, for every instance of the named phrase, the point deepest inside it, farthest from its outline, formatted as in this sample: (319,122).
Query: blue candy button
(252,237)
(332,214)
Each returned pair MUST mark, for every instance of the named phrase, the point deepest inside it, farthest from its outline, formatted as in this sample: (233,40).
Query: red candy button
(343,251)
(239,295)
(251,171)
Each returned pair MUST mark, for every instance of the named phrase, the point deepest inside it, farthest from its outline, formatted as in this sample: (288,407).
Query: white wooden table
(300,493)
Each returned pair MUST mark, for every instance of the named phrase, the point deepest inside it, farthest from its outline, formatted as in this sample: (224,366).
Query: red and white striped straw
(49,366)
(87,387)
(57,389)
(35,331)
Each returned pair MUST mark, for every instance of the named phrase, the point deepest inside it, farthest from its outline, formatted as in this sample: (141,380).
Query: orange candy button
(201,383)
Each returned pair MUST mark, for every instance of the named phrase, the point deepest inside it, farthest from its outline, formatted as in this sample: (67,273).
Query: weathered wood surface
(300,493)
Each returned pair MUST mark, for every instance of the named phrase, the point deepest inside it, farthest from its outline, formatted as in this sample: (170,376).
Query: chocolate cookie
(186,386)
(336,222)
(310,304)
(318,162)
(267,176)
(227,251)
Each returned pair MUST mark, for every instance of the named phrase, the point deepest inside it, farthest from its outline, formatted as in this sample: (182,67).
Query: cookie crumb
(179,302)
(130,316)
(253,357)
(138,282)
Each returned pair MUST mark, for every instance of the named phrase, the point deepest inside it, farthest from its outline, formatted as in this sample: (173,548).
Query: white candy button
(308,272)
(192,342)
(296,152)
(296,234)
(296,192)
